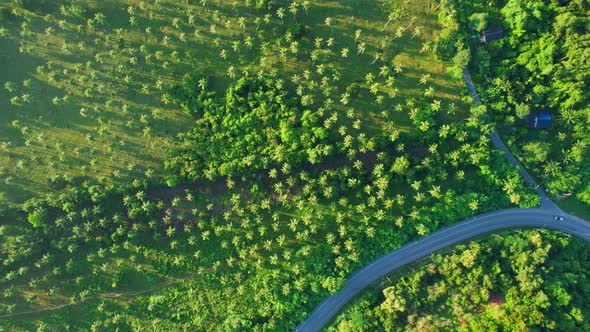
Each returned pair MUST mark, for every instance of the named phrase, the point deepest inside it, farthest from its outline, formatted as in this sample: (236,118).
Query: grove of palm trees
(219,165)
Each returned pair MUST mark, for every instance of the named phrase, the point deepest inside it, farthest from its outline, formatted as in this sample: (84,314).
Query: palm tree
(417,31)
(374,88)
(435,105)
(10,86)
(376,58)
(361,48)
(242,22)
(515,198)
(424,79)
(257,21)
(474,205)
(294,9)
(570,117)
(328,22)
(281,14)
(203,83)
(357,35)
(552,168)
(248,42)
(231,72)
(426,47)
(306,4)
(344,52)
(392,16)
(399,33)
(444,131)
(330,42)
(452,109)
(435,191)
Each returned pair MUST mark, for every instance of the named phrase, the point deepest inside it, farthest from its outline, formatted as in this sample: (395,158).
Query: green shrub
(354,89)
(57,182)
(37,217)
(297,31)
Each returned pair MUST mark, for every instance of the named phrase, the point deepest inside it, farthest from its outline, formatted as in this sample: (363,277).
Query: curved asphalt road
(448,236)
(542,217)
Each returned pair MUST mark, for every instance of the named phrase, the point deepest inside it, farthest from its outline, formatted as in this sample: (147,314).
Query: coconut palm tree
(361,48)
(417,31)
(392,16)
(306,4)
(281,14)
(570,117)
(357,35)
(231,72)
(474,205)
(426,47)
(424,79)
(294,9)
(328,22)
(344,52)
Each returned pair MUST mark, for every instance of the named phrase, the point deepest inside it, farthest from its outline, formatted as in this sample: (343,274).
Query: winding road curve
(543,217)
(445,237)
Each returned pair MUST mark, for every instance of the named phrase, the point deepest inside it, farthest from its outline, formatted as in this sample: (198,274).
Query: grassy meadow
(89,99)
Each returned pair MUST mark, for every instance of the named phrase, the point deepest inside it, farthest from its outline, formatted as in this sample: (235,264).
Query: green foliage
(541,64)
(333,284)
(353,89)
(297,31)
(41,7)
(6,15)
(523,16)
(509,282)
(522,110)
(400,165)
(57,182)
(584,195)
(37,217)
(255,126)
(461,59)
(479,21)
(536,151)
(446,44)
(309,164)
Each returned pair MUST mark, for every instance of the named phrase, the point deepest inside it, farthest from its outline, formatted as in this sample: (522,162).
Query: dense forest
(226,165)
(542,64)
(256,125)
(520,281)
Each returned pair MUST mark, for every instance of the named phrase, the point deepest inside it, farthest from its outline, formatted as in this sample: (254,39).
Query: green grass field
(575,207)
(92,106)
(80,121)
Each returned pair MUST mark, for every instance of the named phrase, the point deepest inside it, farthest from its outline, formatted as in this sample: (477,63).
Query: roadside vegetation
(531,279)
(226,165)
(518,281)
(541,64)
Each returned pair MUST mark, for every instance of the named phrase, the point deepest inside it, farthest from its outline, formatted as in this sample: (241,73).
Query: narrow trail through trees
(103,296)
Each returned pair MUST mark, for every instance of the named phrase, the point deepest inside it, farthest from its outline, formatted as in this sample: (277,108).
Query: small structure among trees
(540,120)
(491,34)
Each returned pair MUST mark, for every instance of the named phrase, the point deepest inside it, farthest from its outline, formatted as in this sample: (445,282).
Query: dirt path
(103,296)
